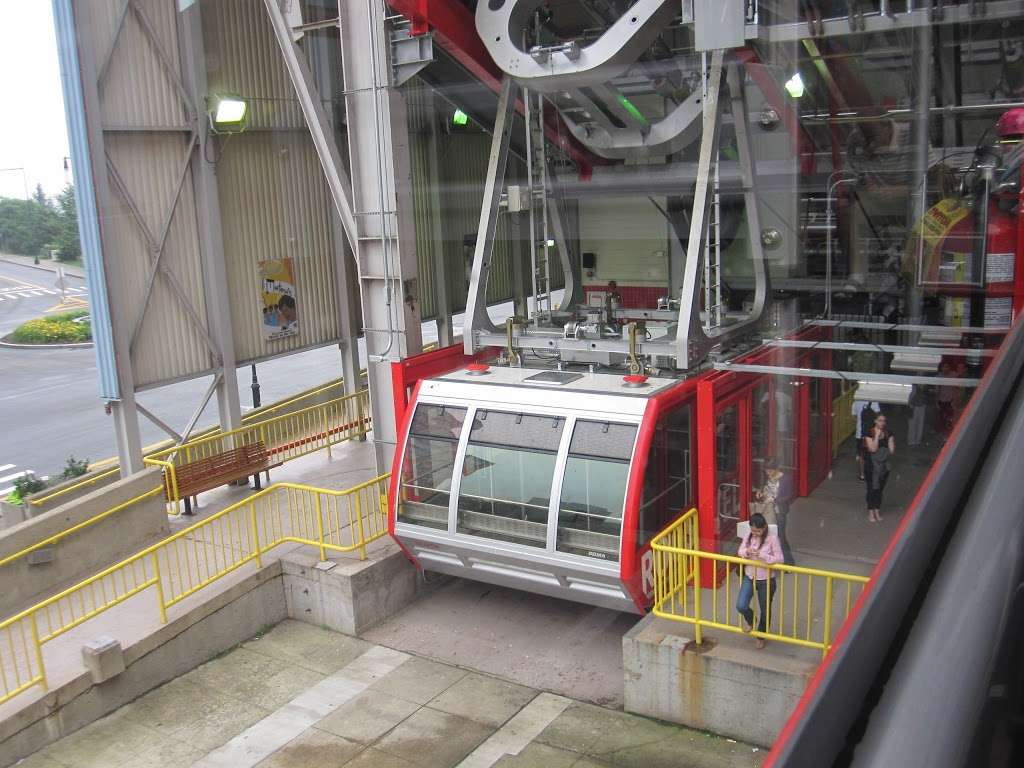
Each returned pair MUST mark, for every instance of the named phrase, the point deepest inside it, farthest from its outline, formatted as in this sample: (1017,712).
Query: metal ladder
(713,248)
(536,173)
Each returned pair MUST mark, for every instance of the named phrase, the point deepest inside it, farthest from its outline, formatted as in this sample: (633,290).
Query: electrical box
(719,24)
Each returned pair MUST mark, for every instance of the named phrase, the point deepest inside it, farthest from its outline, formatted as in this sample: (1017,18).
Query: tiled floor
(304,696)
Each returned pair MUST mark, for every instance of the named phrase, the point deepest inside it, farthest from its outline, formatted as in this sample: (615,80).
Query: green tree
(26,226)
(69,248)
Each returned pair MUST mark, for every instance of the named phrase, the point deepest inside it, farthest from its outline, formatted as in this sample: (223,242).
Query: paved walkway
(45,264)
(304,696)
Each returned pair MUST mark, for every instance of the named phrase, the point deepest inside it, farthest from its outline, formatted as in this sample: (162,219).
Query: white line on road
(5,467)
(25,294)
(15,476)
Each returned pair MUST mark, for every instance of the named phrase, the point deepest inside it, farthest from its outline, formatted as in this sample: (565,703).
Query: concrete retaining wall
(87,483)
(217,625)
(354,595)
(85,552)
(729,688)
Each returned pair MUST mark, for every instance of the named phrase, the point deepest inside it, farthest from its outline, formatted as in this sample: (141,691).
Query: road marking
(518,732)
(5,467)
(19,283)
(262,739)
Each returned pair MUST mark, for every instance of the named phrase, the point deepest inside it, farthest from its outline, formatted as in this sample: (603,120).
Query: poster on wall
(277,289)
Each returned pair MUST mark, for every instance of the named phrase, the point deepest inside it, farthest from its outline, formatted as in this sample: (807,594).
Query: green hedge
(55,329)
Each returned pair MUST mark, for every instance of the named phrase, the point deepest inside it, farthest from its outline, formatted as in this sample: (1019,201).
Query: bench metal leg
(188,505)
(256,481)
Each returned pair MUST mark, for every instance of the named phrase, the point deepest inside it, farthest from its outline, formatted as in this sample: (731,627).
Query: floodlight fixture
(795,86)
(228,114)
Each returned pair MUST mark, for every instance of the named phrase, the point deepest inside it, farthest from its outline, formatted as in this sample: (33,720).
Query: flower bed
(60,328)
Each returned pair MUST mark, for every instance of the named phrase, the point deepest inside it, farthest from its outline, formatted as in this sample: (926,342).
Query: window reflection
(506,476)
(594,489)
(427,468)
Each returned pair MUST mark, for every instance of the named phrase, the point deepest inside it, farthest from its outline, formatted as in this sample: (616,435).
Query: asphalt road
(49,408)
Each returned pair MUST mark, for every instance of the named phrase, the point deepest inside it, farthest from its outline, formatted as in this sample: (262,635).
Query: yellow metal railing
(805,608)
(164,445)
(286,437)
(843,422)
(188,561)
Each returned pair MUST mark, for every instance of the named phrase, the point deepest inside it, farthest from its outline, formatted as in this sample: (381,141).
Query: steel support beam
(122,407)
(324,53)
(476,317)
(824,373)
(319,126)
(442,302)
(692,341)
(207,204)
(378,136)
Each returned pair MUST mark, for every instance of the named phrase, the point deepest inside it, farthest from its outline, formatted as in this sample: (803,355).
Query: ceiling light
(795,86)
(460,118)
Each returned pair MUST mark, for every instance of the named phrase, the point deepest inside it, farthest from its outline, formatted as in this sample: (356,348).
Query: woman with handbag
(761,545)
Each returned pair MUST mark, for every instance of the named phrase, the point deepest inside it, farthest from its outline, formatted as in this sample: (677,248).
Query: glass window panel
(594,489)
(506,477)
(428,465)
(668,477)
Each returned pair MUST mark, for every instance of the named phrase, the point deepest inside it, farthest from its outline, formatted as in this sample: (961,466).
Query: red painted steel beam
(455,30)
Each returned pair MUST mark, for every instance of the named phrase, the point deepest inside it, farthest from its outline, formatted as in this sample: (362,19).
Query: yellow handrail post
(159,589)
(697,599)
(320,528)
(362,532)
(827,637)
(327,433)
(255,538)
(39,652)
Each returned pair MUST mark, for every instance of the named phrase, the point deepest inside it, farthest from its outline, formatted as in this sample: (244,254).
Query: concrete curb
(12,345)
(70,271)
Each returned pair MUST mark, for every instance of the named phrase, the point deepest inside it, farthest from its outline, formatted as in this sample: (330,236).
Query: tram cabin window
(668,479)
(506,476)
(594,489)
(428,464)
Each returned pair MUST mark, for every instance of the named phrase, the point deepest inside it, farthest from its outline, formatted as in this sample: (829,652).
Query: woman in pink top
(760,544)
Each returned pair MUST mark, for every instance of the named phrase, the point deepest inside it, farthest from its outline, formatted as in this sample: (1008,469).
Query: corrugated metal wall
(274,202)
(146,140)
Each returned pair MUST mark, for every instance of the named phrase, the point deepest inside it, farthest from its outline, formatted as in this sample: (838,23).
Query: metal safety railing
(255,415)
(844,424)
(186,562)
(286,437)
(804,608)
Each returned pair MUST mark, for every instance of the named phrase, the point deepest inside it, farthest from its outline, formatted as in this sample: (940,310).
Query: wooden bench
(221,469)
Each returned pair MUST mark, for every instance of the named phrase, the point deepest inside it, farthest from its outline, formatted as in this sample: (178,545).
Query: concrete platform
(303,696)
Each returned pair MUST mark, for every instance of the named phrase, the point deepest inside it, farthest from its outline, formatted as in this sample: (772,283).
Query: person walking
(879,446)
(762,545)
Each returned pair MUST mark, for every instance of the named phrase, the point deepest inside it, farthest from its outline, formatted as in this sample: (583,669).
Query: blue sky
(33,134)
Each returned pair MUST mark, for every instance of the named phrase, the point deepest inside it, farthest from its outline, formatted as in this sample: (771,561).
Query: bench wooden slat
(222,468)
